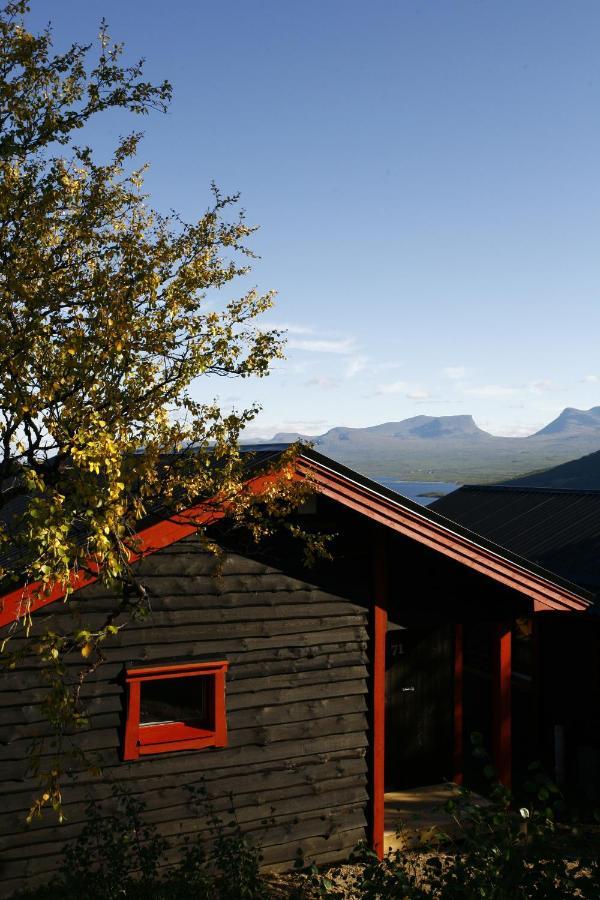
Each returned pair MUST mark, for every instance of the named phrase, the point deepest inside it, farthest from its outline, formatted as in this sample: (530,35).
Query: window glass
(174,700)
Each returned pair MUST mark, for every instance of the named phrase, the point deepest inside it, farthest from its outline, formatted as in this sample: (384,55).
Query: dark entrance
(418,706)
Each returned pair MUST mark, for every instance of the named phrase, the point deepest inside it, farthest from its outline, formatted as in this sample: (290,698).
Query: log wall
(296,714)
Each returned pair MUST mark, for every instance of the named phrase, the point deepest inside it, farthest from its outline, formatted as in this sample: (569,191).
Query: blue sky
(426,177)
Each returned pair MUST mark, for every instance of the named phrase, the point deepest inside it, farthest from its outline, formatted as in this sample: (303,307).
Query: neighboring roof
(376,503)
(556,529)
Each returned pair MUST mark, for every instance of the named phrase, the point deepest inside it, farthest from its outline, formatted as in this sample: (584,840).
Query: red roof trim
(164,533)
(545,594)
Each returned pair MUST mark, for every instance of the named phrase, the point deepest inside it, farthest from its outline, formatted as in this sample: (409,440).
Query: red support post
(501,702)
(458,704)
(378,630)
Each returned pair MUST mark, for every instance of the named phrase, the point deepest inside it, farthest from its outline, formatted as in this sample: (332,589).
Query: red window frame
(167,737)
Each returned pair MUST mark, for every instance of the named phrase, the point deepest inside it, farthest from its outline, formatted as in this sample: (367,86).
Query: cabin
(558,529)
(310,694)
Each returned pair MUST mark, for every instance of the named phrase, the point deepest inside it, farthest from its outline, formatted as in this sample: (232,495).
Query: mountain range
(454,448)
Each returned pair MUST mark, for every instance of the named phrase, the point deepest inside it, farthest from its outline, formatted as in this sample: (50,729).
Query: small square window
(179,707)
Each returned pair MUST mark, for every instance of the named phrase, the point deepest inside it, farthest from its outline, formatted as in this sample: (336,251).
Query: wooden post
(378,629)
(537,749)
(501,702)
(458,704)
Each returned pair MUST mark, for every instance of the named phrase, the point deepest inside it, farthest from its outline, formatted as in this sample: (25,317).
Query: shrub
(122,856)
(495,852)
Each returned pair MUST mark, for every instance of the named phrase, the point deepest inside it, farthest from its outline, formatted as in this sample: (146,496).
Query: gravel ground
(297,886)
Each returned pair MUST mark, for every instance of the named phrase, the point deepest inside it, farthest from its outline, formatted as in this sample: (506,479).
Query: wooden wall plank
(296,706)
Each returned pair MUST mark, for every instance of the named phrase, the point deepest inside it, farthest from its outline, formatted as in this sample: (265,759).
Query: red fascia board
(24,600)
(545,594)
(148,673)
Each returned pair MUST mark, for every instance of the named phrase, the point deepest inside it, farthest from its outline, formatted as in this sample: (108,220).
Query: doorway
(418,706)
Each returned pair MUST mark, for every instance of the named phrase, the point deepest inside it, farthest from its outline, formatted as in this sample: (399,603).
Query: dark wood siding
(296,712)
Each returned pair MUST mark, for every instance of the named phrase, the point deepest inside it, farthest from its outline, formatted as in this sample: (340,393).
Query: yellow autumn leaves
(108,342)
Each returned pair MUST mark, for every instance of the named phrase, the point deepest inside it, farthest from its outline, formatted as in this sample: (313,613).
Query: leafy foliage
(496,852)
(109,313)
(121,855)
(103,304)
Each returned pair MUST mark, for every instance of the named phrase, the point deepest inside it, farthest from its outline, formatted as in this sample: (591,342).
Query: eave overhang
(547,591)
(376,503)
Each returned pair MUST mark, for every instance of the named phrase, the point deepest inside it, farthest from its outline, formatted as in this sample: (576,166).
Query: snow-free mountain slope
(577,475)
(454,448)
(572,423)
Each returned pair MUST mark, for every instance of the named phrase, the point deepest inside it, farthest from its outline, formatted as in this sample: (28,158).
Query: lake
(415,490)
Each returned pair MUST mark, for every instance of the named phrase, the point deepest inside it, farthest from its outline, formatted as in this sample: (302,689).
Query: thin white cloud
(355,365)
(384,366)
(322,381)
(591,379)
(455,373)
(394,387)
(318,345)
(410,390)
(513,430)
(543,386)
(289,327)
(301,426)
(491,390)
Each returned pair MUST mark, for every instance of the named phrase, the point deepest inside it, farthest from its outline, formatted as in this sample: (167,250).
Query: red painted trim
(501,702)
(130,741)
(378,642)
(544,593)
(458,704)
(167,737)
(25,600)
(148,673)
(172,746)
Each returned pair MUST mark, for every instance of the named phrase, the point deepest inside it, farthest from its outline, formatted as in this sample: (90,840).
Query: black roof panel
(556,529)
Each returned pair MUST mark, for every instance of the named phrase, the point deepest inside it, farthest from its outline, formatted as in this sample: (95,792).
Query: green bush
(120,856)
(494,851)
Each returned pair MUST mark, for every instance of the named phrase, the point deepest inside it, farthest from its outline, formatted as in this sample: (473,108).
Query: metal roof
(263,454)
(556,529)
(439,517)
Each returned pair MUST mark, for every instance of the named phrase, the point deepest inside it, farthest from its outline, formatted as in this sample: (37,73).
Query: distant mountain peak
(449,426)
(288,437)
(572,422)
(454,448)
(425,427)
(416,427)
